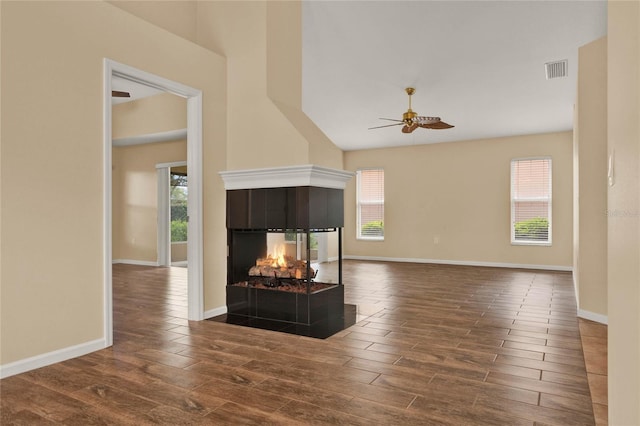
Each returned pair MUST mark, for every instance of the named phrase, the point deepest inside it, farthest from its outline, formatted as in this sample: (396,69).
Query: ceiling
(478,65)
(136,90)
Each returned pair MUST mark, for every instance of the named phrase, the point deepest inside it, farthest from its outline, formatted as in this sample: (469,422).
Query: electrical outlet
(436,240)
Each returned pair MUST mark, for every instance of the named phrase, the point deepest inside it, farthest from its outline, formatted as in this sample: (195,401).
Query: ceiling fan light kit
(411,120)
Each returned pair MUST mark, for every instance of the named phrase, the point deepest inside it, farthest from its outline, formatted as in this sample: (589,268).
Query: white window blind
(531,201)
(370,199)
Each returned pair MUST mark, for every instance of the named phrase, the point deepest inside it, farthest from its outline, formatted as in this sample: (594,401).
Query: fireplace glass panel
(289,254)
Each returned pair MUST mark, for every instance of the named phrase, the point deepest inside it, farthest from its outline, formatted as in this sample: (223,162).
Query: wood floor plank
(582,405)
(561,389)
(457,385)
(515,370)
(304,392)
(232,413)
(541,365)
(238,375)
(533,413)
(451,367)
(380,414)
(460,413)
(242,394)
(166,358)
(388,369)
(28,399)
(397,398)
(117,399)
(305,413)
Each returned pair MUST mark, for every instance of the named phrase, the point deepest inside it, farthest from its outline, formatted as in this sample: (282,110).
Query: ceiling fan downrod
(408,116)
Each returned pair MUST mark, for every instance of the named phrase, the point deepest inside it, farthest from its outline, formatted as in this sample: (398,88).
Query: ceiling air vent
(556,69)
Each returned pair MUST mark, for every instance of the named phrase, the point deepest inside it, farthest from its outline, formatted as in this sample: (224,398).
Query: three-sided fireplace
(284,237)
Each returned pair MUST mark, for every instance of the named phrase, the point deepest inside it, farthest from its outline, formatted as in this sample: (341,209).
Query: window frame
(359,204)
(549,200)
(171,201)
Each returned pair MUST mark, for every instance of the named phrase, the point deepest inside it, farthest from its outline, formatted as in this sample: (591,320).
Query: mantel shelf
(289,176)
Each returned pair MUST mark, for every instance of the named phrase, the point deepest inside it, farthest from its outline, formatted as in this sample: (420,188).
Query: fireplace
(284,234)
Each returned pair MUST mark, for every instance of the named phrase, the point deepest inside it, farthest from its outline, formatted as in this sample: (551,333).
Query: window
(370,199)
(531,201)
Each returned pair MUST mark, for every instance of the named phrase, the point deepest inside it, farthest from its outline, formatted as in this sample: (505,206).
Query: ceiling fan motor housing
(408,116)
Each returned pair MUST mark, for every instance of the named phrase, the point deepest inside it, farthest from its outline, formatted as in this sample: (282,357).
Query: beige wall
(284,79)
(624,212)
(459,193)
(135,198)
(52,241)
(590,177)
(260,134)
(179,17)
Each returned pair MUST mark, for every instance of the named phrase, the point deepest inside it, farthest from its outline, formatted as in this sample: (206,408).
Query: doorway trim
(194,203)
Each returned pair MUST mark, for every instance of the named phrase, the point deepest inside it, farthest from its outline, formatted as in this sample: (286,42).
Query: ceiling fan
(411,120)
(119,94)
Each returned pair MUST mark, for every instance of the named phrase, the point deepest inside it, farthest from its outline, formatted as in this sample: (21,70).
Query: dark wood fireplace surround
(251,214)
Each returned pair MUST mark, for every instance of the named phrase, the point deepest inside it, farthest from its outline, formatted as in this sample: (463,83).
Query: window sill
(370,238)
(531,243)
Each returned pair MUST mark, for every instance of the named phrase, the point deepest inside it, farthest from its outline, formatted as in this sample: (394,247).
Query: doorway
(194,154)
(173,213)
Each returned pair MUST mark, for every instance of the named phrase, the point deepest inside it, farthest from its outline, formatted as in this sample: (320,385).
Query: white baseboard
(592,316)
(181,263)
(215,312)
(575,290)
(135,262)
(462,263)
(49,358)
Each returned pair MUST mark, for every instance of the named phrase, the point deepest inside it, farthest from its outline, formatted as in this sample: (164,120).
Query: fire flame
(278,257)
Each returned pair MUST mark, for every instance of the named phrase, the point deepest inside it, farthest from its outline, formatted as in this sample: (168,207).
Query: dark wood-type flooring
(594,345)
(436,344)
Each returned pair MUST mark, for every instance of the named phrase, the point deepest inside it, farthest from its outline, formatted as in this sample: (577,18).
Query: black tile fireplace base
(292,307)
(319,314)
(320,329)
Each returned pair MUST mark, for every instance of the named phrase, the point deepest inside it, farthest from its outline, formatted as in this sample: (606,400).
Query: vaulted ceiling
(479,65)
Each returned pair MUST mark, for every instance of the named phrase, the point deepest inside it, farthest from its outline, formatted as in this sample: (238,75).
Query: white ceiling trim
(170,135)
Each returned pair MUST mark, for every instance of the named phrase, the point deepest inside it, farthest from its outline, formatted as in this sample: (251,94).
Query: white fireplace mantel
(289,176)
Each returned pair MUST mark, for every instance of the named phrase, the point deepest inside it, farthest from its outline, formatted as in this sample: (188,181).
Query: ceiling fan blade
(437,125)
(119,94)
(386,125)
(409,129)
(391,119)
